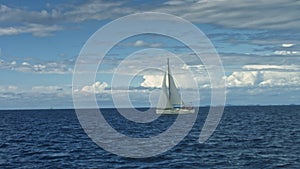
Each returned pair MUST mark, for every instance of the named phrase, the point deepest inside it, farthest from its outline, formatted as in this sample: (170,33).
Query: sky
(258,43)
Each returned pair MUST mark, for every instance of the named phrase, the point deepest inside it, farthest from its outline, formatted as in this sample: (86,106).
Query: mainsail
(164,101)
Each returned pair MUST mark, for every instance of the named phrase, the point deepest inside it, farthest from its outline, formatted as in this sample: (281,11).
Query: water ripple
(247,137)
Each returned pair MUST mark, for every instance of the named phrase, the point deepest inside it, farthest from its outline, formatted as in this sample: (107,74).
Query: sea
(246,137)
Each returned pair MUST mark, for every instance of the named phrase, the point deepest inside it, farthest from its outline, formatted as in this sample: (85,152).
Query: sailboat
(170,101)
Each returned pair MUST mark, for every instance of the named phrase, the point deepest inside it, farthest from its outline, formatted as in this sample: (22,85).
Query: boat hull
(176,111)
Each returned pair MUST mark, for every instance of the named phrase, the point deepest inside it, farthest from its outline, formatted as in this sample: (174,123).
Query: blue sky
(257,41)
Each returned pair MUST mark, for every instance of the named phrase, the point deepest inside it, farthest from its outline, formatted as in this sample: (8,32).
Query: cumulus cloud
(239,79)
(276,78)
(152,81)
(97,88)
(249,76)
(265,76)
(287,45)
(182,80)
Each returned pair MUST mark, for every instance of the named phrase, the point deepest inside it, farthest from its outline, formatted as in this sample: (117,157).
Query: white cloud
(25,64)
(46,89)
(153,81)
(48,67)
(233,14)
(13,63)
(38,23)
(35,29)
(141,43)
(174,2)
(276,78)
(287,45)
(265,76)
(20,97)
(182,81)
(9,88)
(35,89)
(97,88)
(272,67)
(240,14)
(286,52)
(241,79)
(96,10)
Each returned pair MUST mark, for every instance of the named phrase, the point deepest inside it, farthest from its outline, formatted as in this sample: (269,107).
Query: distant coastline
(206,106)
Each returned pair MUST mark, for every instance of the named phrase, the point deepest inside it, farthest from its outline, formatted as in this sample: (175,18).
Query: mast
(169,80)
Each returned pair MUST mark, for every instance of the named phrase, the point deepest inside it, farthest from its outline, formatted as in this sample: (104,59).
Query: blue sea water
(247,137)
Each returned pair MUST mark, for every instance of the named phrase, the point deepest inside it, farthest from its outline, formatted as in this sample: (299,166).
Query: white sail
(164,101)
(174,95)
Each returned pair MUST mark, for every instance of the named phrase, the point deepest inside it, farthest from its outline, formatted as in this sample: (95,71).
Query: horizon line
(205,106)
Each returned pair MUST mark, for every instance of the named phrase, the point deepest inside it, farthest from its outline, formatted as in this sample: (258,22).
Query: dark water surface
(247,137)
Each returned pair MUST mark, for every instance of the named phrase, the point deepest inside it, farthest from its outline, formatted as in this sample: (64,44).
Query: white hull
(176,111)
